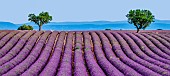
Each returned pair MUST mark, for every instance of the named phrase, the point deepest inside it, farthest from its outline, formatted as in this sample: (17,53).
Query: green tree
(41,19)
(25,27)
(140,18)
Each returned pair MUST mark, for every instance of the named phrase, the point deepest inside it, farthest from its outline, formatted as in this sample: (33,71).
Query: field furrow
(85,53)
(17,48)
(92,64)
(65,68)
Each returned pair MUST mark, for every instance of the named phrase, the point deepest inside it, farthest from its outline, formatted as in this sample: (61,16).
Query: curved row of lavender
(84,53)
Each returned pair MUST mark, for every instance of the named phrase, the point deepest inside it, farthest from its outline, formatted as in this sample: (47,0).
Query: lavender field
(84,53)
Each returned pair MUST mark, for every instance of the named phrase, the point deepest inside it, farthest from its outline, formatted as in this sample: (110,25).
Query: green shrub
(107,29)
(25,27)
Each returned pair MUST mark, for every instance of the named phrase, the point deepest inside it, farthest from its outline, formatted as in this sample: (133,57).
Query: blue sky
(17,11)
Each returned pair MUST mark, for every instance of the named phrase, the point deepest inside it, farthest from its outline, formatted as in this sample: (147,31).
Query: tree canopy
(140,18)
(41,19)
(25,27)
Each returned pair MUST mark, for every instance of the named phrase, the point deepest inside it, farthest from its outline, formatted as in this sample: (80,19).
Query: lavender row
(51,68)
(79,63)
(109,69)
(92,65)
(160,43)
(112,57)
(10,44)
(6,38)
(2,34)
(31,58)
(137,44)
(164,37)
(163,34)
(38,65)
(21,56)
(156,46)
(24,65)
(16,49)
(167,35)
(66,63)
(123,47)
(145,48)
(137,59)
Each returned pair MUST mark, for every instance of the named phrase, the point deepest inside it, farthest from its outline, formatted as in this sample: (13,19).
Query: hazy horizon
(79,21)
(16,11)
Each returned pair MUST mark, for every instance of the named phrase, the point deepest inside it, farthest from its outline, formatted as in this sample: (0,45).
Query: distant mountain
(7,26)
(73,23)
(88,25)
(162,21)
(94,22)
(29,23)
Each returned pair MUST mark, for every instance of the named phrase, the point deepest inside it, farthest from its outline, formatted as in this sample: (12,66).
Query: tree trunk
(138,30)
(40,27)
